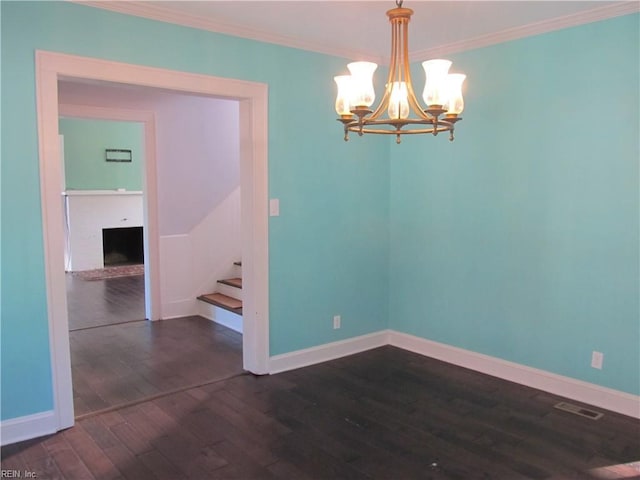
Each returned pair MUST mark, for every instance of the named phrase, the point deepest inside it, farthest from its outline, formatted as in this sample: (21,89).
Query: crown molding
(537,28)
(140,8)
(153,11)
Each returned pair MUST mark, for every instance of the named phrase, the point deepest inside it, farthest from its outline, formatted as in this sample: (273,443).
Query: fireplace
(122,246)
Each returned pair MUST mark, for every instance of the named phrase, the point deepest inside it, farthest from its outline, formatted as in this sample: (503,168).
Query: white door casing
(252,97)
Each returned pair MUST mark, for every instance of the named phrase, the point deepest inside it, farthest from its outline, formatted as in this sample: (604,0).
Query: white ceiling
(360,29)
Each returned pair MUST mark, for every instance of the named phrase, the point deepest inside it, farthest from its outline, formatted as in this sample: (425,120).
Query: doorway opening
(102,201)
(252,98)
(198,199)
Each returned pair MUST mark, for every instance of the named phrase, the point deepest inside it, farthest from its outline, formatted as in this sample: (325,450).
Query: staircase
(228,294)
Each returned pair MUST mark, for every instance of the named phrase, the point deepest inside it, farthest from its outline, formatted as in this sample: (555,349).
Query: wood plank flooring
(381,414)
(118,364)
(117,358)
(104,302)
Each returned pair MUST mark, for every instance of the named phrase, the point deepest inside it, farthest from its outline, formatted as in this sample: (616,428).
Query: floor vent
(578,410)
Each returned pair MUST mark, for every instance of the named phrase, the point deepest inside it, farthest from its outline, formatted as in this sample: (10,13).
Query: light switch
(274,207)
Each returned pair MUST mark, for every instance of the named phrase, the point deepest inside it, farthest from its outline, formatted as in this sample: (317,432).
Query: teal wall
(520,239)
(85,142)
(328,249)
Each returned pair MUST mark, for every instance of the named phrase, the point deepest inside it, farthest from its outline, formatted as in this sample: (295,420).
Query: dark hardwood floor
(117,364)
(104,302)
(381,414)
(118,358)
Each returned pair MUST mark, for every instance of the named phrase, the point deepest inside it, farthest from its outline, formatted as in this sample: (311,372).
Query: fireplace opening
(122,246)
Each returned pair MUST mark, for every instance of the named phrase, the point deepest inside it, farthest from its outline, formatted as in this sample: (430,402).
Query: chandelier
(399,112)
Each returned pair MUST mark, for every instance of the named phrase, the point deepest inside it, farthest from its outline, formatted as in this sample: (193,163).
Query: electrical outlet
(336,321)
(596,359)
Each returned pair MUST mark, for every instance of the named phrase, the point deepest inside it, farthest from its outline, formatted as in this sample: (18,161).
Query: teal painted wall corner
(348,211)
(85,142)
(520,239)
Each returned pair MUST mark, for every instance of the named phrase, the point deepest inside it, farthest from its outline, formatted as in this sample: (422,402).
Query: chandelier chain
(404,113)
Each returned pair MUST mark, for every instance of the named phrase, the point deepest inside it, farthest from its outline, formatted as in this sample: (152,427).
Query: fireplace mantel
(87,213)
(84,193)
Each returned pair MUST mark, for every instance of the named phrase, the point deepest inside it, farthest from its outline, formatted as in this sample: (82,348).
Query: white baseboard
(27,427)
(326,352)
(180,308)
(585,392)
(40,424)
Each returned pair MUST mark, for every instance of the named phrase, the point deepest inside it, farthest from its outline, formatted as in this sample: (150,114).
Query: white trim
(326,352)
(585,392)
(588,393)
(179,309)
(537,28)
(160,13)
(53,242)
(50,67)
(154,11)
(254,201)
(82,193)
(27,427)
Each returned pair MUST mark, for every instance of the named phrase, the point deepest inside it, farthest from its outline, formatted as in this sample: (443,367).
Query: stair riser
(218,315)
(229,291)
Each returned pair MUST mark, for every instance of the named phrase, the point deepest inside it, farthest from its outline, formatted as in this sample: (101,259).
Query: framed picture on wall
(118,155)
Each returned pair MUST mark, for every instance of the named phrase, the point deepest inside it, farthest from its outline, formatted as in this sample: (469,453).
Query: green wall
(85,142)
(520,239)
(327,250)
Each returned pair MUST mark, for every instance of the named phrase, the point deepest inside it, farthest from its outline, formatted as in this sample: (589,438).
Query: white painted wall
(198,185)
(197,147)
(192,263)
(198,159)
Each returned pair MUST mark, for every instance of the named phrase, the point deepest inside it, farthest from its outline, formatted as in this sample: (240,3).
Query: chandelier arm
(443,122)
(441,129)
(397,125)
(399,70)
(416,107)
(411,95)
(384,102)
(443,125)
(415,104)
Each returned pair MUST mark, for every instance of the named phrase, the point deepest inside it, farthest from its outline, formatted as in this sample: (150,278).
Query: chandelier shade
(399,111)
(454,103)
(343,105)
(363,93)
(435,72)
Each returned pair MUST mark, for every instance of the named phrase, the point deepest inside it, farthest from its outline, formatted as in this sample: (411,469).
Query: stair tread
(233,282)
(223,301)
